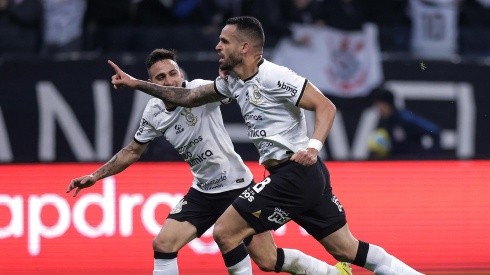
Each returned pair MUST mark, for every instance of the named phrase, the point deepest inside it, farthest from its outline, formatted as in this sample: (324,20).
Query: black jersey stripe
(302,92)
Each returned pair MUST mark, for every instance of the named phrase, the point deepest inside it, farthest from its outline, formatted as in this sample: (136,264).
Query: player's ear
(245,47)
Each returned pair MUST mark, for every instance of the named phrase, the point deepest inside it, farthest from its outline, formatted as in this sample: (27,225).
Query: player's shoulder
(196,83)
(274,67)
(271,73)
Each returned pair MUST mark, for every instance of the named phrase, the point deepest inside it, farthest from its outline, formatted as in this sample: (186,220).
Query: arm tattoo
(107,169)
(181,96)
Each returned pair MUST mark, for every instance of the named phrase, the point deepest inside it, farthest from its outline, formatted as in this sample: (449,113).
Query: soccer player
(220,175)
(272,99)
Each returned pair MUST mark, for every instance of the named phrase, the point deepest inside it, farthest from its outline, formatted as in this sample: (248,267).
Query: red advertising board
(433,215)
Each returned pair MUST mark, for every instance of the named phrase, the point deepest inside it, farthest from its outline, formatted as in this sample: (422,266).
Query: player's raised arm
(176,95)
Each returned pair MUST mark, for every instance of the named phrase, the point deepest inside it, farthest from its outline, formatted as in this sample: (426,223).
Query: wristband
(316,144)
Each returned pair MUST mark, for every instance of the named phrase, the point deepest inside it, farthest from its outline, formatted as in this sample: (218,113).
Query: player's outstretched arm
(176,95)
(120,161)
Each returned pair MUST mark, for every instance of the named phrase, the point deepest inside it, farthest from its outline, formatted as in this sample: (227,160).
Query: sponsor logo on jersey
(186,147)
(253,117)
(279,216)
(199,158)
(287,87)
(248,195)
(240,180)
(264,145)
(337,202)
(190,118)
(178,207)
(252,132)
(178,129)
(143,123)
(159,111)
(212,184)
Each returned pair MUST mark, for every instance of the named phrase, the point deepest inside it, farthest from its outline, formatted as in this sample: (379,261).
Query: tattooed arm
(175,95)
(120,161)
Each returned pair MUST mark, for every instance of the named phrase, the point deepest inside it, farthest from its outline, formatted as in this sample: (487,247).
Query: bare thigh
(174,235)
(230,229)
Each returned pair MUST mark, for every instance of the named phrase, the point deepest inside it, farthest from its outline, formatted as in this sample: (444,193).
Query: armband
(315,143)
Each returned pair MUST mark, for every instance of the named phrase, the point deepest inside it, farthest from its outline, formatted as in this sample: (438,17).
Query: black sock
(163,255)
(235,255)
(361,254)
(279,261)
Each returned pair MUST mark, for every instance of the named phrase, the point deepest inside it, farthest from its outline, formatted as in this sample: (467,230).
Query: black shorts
(293,192)
(202,209)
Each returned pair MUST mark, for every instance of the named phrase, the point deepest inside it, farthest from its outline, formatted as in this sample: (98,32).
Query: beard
(231,62)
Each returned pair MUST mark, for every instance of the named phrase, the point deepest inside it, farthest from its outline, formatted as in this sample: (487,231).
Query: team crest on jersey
(178,207)
(254,95)
(190,118)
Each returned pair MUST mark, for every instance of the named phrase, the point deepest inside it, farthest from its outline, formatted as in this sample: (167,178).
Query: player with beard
(220,176)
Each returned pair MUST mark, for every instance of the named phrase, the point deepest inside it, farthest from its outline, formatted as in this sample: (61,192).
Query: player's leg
(327,223)
(344,247)
(190,218)
(269,257)
(171,238)
(229,232)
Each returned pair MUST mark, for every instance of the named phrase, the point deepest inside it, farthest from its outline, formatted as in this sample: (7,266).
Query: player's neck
(248,68)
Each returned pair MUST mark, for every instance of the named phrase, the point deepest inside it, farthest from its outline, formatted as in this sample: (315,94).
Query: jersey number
(259,186)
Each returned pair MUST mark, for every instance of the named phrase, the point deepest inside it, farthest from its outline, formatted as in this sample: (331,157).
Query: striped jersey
(199,136)
(269,104)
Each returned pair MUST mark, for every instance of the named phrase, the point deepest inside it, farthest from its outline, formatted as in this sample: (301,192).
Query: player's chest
(253,96)
(181,123)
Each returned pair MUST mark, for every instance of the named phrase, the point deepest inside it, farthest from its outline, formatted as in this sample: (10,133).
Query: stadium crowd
(47,27)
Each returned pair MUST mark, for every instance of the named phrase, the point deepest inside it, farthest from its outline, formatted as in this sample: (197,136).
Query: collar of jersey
(258,65)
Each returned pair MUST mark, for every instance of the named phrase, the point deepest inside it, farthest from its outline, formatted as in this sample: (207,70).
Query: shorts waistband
(274,163)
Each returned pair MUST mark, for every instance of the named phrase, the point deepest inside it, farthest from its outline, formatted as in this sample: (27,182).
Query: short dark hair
(249,25)
(158,55)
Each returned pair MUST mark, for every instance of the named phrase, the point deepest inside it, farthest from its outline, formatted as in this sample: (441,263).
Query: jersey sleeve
(199,82)
(221,87)
(287,85)
(146,131)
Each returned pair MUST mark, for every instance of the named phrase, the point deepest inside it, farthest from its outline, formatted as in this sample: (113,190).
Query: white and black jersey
(199,136)
(434,27)
(269,102)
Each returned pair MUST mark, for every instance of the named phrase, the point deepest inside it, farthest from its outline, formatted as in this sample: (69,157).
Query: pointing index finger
(113,65)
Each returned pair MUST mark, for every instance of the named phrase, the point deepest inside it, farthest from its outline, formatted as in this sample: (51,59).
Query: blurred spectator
(154,13)
(475,27)
(387,13)
(394,24)
(347,15)
(109,25)
(174,12)
(63,25)
(278,15)
(434,31)
(19,25)
(476,13)
(221,10)
(401,133)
